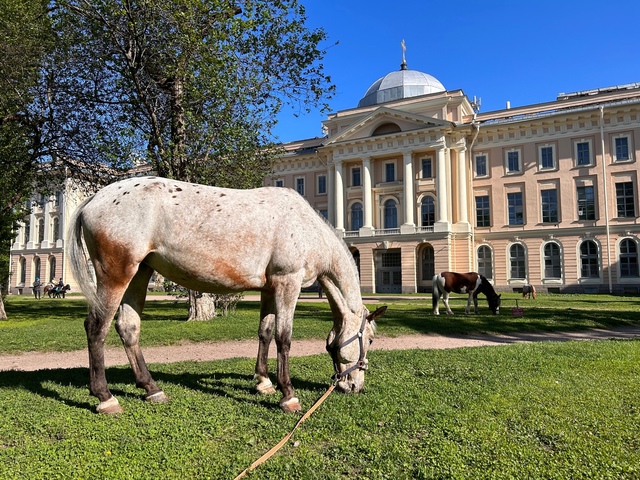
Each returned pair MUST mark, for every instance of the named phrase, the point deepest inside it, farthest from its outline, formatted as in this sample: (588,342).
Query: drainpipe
(605,181)
(475,126)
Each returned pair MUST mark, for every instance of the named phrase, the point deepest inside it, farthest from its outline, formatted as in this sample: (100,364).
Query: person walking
(37,288)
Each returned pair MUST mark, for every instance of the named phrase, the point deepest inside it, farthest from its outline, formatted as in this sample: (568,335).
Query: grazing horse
(220,241)
(528,291)
(472,283)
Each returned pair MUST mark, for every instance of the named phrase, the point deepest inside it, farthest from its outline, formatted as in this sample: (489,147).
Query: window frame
(628,201)
(552,261)
(423,163)
(518,209)
(521,265)
(577,156)
(320,191)
(587,260)
(354,169)
(352,210)
(586,203)
(627,260)
(554,163)
(385,168)
(547,206)
(507,161)
(486,165)
(483,260)
(300,185)
(279,183)
(486,211)
(614,148)
(431,214)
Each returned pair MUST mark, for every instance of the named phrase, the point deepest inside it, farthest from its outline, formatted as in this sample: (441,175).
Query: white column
(367,227)
(442,192)
(339,197)
(47,224)
(409,197)
(331,193)
(463,216)
(33,225)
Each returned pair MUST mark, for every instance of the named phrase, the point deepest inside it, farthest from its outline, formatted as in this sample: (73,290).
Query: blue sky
(524,52)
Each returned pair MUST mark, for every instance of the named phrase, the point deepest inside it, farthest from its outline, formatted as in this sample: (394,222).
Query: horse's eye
(370,341)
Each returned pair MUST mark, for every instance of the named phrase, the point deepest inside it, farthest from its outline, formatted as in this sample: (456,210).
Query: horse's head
(348,348)
(494,303)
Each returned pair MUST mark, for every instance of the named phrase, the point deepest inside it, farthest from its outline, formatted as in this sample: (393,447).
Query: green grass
(57,325)
(550,410)
(554,410)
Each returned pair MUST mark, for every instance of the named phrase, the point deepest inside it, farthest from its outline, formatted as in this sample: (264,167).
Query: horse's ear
(377,313)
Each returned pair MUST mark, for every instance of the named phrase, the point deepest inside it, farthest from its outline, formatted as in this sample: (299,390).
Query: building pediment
(386,121)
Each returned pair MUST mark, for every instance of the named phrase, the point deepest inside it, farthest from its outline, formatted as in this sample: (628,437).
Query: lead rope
(277,447)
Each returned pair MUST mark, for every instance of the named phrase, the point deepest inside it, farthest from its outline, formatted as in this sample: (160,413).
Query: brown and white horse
(471,283)
(214,240)
(528,291)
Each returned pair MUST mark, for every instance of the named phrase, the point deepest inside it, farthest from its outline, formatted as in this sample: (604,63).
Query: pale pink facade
(423,184)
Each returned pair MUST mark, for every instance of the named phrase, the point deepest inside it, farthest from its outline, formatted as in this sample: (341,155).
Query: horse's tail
(435,293)
(78,261)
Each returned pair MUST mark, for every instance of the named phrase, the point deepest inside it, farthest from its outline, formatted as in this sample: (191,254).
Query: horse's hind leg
(265,335)
(445,300)
(128,327)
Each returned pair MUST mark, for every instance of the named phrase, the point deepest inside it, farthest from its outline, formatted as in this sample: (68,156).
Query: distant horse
(54,292)
(220,241)
(528,291)
(472,283)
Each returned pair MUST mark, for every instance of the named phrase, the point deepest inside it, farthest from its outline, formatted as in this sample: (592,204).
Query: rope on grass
(277,447)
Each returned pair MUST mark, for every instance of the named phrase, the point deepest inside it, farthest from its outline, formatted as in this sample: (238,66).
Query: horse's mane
(486,285)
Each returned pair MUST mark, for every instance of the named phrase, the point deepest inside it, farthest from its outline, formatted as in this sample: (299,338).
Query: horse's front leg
(286,296)
(265,335)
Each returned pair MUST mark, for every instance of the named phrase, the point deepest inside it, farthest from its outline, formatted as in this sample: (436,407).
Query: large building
(418,181)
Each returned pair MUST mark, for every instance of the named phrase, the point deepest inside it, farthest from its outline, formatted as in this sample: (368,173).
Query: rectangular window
(549,199)
(586,203)
(427,168)
(483,211)
(356,181)
(547,161)
(481,165)
(515,207)
(279,183)
(322,184)
(513,161)
(583,153)
(625,200)
(300,185)
(390,172)
(622,149)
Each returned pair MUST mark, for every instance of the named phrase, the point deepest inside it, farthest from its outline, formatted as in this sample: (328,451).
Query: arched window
(23,271)
(56,229)
(356,258)
(427,259)
(356,216)
(552,264)
(37,265)
(52,268)
(517,261)
(386,128)
(628,258)
(485,261)
(428,210)
(390,214)
(589,262)
(41,230)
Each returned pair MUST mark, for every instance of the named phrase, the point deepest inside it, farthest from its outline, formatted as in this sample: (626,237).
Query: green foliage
(554,410)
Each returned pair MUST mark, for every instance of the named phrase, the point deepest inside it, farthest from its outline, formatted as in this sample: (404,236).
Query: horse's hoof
(265,388)
(158,397)
(110,407)
(291,406)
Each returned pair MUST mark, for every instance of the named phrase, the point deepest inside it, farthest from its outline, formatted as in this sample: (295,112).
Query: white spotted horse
(471,283)
(214,240)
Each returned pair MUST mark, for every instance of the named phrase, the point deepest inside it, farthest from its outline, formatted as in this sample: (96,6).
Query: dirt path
(221,350)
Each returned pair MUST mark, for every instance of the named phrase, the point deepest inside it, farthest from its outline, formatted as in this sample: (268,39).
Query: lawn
(548,410)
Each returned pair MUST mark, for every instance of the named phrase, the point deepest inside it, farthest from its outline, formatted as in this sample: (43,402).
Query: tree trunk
(3,313)
(202,306)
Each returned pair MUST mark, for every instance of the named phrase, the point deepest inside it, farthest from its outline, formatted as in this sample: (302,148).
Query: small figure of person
(59,286)
(37,288)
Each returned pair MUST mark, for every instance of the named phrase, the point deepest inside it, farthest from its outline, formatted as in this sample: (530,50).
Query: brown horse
(471,283)
(54,292)
(528,291)
(220,241)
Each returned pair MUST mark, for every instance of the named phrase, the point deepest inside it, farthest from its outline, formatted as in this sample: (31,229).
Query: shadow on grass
(217,383)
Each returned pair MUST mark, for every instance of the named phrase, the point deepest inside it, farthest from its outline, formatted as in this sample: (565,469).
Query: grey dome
(400,84)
